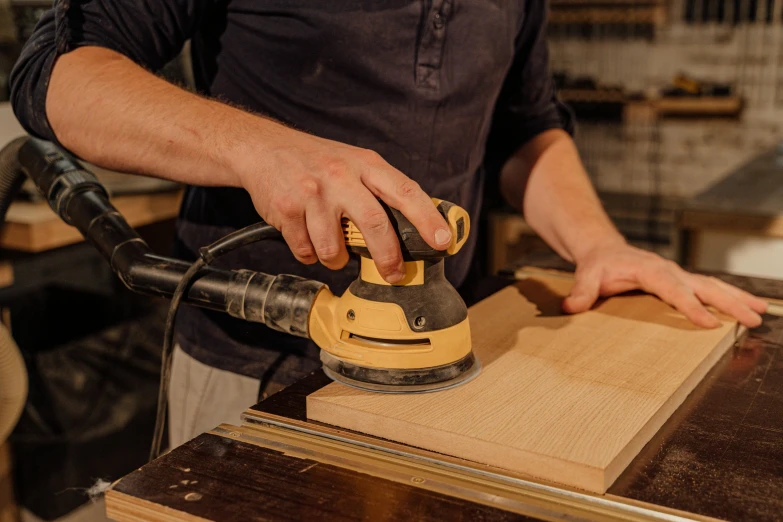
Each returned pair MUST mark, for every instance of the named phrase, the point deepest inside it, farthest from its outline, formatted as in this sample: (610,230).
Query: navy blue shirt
(438,88)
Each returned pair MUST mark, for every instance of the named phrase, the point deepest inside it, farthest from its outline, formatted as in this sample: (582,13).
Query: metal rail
(438,473)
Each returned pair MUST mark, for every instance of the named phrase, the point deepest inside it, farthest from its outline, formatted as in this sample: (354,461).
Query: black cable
(166,355)
(236,239)
(245,236)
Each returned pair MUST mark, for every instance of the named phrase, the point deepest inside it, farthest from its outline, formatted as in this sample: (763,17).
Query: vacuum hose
(13,374)
(281,302)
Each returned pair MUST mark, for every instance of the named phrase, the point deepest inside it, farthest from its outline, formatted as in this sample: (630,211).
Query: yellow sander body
(412,336)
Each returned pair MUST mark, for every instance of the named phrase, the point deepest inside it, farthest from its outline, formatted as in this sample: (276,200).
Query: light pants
(202,397)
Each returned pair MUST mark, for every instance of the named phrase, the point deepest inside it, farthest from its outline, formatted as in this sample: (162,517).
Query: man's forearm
(545,180)
(115,114)
(111,112)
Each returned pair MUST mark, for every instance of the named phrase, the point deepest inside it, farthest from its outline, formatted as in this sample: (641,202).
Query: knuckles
(304,254)
(370,157)
(408,189)
(387,263)
(660,268)
(334,168)
(672,266)
(375,221)
(329,253)
(288,207)
(311,188)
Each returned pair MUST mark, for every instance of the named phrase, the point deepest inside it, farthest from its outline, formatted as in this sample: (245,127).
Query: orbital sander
(412,336)
(408,337)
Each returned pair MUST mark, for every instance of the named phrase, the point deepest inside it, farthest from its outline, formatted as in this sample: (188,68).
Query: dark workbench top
(217,478)
(754,188)
(719,455)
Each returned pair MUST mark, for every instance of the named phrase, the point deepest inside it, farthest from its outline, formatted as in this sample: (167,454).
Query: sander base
(394,380)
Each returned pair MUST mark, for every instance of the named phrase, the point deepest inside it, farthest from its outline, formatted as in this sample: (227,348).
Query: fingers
(404,194)
(295,234)
(756,304)
(382,242)
(289,218)
(673,291)
(709,292)
(326,237)
(585,291)
(623,269)
(336,180)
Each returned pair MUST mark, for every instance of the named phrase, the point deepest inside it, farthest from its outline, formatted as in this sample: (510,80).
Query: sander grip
(412,244)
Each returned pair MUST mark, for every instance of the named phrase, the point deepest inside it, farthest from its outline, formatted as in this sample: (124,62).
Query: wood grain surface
(570,399)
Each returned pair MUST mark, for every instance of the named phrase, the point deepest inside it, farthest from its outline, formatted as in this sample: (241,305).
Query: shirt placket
(430,52)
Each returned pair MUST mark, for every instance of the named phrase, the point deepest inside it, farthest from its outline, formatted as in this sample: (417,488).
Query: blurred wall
(678,158)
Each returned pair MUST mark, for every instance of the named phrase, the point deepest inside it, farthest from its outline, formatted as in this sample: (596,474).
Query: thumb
(584,293)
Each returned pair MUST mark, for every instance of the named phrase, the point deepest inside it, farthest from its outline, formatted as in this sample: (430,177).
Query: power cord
(245,236)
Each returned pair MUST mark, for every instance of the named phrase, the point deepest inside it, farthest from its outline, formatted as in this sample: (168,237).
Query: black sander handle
(412,244)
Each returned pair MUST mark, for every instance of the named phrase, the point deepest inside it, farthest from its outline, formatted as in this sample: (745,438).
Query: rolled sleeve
(149,32)
(527,104)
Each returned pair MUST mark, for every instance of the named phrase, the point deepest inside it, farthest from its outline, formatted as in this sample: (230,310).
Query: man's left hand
(618,267)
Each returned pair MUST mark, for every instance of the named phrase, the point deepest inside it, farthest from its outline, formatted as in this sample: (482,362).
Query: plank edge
(122,507)
(668,408)
(588,478)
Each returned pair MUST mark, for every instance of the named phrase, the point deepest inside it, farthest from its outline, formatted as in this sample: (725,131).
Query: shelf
(592,96)
(684,107)
(620,13)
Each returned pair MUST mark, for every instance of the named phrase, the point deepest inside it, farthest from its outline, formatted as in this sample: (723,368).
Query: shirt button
(438,21)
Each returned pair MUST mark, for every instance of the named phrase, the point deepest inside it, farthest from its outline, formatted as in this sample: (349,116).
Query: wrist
(606,239)
(248,146)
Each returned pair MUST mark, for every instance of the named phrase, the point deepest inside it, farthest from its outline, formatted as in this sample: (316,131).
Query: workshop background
(679,106)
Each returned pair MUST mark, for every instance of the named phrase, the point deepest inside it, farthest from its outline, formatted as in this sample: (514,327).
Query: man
(314,110)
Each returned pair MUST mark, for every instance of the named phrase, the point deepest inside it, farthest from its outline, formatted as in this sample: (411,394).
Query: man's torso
(414,81)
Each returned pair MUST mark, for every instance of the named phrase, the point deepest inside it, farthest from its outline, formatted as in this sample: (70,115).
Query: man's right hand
(115,114)
(306,184)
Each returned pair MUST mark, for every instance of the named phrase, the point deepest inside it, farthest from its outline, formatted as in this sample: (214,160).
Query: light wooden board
(34,227)
(569,399)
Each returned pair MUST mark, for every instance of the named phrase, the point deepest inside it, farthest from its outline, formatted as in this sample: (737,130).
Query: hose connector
(281,302)
(57,174)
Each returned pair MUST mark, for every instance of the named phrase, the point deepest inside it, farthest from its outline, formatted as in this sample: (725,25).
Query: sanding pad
(386,380)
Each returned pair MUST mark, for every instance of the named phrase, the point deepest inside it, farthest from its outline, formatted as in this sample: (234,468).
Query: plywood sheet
(569,399)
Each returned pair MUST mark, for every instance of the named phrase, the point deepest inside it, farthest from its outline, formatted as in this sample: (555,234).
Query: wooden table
(39,248)
(34,227)
(736,225)
(720,455)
